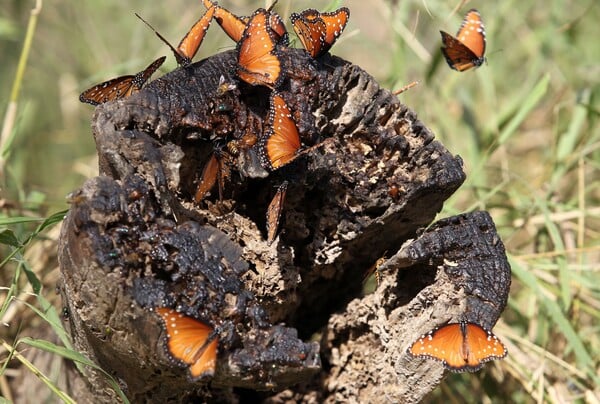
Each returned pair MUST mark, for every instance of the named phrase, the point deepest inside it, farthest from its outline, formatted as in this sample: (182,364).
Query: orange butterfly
(258,56)
(190,341)
(210,173)
(460,346)
(274,212)
(234,25)
(467,49)
(121,87)
(281,142)
(318,31)
(189,45)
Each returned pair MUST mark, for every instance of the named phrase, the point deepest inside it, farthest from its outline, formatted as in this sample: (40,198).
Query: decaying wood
(134,240)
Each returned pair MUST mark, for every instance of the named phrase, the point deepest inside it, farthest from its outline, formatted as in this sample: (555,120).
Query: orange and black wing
(461,347)
(336,22)
(319,31)
(280,144)
(120,87)
(189,45)
(274,212)
(467,49)
(311,30)
(231,24)
(258,56)
(190,341)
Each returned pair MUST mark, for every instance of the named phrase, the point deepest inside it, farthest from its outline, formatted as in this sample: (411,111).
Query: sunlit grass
(525,124)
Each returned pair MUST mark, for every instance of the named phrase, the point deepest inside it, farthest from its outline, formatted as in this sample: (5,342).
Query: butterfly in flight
(234,25)
(121,87)
(318,31)
(461,347)
(258,55)
(281,142)
(466,50)
(274,212)
(189,45)
(190,341)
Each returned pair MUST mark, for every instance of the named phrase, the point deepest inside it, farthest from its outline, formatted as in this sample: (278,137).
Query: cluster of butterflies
(460,346)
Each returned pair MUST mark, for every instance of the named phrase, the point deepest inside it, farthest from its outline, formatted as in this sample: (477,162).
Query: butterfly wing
(336,22)
(311,30)
(274,212)
(468,48)
(142,77)
(472,33)
(190,43)
(461,347)
(444,344)
(190,341)
(483,346)
(319,31)
(281,143)
(231,24)
(120,87)
(258,60)
(208,179)
(109,90)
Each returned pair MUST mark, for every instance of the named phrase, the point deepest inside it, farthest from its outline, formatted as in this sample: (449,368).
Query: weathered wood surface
(133,240)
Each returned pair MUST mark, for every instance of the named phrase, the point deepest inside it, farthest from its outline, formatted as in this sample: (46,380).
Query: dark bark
(133,240)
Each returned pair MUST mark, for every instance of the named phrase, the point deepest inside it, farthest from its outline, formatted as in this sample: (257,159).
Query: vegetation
(525,124)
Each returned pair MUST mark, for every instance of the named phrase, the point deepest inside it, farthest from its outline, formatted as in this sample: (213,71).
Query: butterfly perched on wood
(258,55)
(234,25)
(318,31)
(281,142)
(189,45)
(274,212)
(121,87)
(190,341)
(467,49)
(461,347)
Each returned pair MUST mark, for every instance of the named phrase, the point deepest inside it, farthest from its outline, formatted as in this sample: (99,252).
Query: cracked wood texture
(293,323)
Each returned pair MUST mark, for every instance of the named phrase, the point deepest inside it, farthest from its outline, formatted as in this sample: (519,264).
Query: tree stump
(294,325)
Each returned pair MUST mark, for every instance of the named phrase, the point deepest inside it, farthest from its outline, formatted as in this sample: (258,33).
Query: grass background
(526,125)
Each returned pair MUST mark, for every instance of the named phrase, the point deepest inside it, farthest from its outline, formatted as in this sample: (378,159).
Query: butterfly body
(467,49)
(461,347)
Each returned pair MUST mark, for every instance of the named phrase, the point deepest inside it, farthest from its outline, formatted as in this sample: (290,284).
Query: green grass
(526,125)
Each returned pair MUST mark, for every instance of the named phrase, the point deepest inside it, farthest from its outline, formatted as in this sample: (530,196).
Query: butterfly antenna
(181,60)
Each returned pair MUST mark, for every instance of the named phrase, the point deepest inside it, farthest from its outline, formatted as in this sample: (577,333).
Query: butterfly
(209,176)
(258,56)
(234,25)
(231,24)
(461,347)
(121,87)
(191,341)
(318,31)
(189,45)
(466,50)
(274,212)
(281,142)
